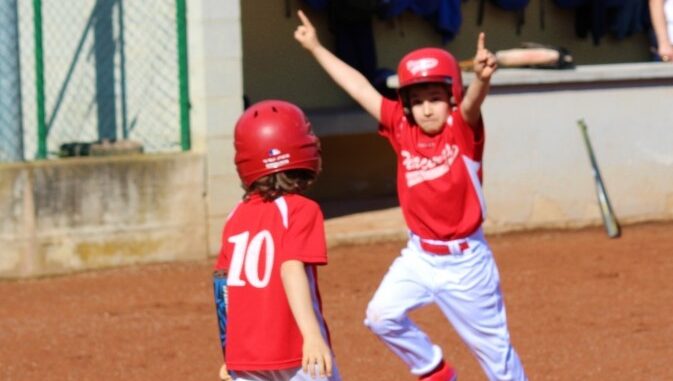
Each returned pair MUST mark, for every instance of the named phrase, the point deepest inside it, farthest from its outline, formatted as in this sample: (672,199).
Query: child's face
(430,106)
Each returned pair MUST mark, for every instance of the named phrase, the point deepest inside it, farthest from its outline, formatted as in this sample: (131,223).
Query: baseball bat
(609,219)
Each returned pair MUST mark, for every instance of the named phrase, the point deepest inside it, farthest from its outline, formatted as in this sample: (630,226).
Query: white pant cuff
(437,356)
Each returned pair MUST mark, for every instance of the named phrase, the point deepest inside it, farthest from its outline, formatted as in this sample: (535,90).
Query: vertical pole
(122,57)
(105,80)
(11,120)
(181,18)
(39,81)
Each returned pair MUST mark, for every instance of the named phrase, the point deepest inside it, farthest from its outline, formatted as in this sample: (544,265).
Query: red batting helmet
(273,136)
(429,65)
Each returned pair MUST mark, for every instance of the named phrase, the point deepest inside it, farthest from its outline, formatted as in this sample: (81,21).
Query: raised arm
(315,351)
(664,44)
(349,79)
(485,64)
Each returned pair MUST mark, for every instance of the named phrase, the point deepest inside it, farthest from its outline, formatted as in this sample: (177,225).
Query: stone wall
(77,214)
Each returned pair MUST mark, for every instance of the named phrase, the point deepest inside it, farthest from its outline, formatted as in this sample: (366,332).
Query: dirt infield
(580,307)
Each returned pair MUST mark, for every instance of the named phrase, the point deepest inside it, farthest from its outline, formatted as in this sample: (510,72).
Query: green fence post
(122,69)
(185,139)
(39,81)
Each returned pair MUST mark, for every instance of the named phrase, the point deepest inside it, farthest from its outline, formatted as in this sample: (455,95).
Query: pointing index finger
(481,42)
(304,19)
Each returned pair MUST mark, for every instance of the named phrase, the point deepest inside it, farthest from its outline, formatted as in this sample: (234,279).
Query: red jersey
(438,177)
(257,238)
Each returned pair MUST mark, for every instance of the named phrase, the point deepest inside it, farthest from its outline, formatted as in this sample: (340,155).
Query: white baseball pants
(466,287)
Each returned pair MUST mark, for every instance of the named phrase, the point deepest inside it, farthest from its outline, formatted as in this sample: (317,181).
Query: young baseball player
(438,135)
(266,279)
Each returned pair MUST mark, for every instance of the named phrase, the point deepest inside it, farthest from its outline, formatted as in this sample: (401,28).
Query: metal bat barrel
(607,214)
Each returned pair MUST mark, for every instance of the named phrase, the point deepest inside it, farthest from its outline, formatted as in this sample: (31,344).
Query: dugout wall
(536,174)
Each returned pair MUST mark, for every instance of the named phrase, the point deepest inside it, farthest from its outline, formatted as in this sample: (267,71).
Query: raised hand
(305,33)
(666,53)
(485,63)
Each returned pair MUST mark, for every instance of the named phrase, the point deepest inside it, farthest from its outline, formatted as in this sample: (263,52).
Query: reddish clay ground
(580,307)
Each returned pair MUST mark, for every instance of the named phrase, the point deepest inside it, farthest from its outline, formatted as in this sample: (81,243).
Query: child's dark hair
(277,184)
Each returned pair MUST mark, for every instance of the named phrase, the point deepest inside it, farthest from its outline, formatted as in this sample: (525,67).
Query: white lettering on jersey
(420,169)
(246,257)
(421,65)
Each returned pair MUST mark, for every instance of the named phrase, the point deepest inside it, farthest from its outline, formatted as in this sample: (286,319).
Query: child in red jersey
(437,134)
(269,309)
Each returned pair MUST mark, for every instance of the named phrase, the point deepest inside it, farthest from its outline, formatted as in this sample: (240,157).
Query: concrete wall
(216,94)
(537,170)
(68,215)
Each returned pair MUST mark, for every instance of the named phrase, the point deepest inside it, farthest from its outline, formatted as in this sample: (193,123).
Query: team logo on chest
(421,168)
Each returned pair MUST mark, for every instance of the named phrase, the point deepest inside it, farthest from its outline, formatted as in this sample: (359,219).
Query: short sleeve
(222,262)
(391,114)
(223,258)
(305,237)
(391,111)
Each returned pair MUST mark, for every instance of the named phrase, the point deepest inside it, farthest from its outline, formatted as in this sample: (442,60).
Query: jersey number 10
(246,258)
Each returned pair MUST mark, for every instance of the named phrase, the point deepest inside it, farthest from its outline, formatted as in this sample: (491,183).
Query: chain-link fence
(84,71)
(11,141)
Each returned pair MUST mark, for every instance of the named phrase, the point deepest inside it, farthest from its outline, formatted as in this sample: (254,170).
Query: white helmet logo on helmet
(421,65)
